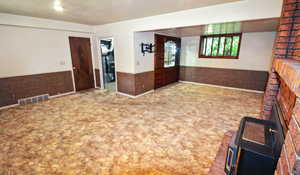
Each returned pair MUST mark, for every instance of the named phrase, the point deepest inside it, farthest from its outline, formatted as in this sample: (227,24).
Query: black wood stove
(256,147)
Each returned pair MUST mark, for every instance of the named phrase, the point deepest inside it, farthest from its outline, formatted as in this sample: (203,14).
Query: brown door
(166,60)
(82,63)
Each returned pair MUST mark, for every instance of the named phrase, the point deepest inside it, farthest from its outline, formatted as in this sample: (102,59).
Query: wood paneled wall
(14,88)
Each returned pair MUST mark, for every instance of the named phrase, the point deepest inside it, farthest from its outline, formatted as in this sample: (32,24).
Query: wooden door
(82,63)
(165,75)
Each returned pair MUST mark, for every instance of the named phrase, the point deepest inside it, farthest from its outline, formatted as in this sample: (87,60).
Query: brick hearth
(217,167)
(283,86)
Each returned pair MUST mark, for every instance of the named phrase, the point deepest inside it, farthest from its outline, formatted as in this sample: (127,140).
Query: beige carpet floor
(174,131)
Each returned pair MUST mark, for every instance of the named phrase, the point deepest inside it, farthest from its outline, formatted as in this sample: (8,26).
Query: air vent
(35,99)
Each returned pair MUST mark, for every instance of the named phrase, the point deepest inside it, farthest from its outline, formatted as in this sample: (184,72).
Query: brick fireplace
(284,85)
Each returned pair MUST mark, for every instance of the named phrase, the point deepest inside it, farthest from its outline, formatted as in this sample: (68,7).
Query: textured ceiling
(100,11)
(263,25)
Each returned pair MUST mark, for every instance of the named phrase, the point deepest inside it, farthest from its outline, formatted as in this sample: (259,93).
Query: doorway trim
(99,51)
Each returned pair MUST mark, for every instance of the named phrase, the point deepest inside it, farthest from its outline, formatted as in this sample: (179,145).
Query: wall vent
(29,100)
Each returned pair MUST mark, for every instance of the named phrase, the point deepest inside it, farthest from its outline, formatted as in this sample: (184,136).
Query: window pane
(215,46)
(170,54)
(204,46)
(235,47)
(221,48)
(208,48)
(228,46)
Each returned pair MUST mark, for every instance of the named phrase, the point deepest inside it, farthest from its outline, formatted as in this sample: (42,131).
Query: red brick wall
(270,94)
(287,47)
(289,162)
(288,31)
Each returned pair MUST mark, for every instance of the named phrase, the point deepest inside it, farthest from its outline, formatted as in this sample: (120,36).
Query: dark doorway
(166,60)
(108,64)
(82,63)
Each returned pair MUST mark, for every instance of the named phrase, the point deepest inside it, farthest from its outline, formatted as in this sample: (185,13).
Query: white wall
(145,62)
(123,32)
(33,45)
(255,53)
(27,51)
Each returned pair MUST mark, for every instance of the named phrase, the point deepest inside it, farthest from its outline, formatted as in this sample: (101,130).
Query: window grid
(226,51)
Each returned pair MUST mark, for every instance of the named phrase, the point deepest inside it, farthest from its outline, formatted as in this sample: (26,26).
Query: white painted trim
(126,95)
(135,96)
(60,95)
(224,87)
(99,59)
(9,106)
(47,28)
(42,23)
(93,60)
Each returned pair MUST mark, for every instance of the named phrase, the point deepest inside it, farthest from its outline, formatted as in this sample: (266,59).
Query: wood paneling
(82,63)
(135,84)
(164,76)
(144,82)
(244,79)
(14,88)
(126,83)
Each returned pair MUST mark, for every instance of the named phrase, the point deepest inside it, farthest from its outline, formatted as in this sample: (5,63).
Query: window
(220,46)
(170,54)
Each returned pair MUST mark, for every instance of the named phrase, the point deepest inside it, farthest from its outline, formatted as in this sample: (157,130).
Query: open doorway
(108,64)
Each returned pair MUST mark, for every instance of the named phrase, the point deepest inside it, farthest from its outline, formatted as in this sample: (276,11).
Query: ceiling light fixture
(57,6)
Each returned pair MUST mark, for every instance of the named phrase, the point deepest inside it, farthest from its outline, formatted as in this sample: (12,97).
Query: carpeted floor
(174,131)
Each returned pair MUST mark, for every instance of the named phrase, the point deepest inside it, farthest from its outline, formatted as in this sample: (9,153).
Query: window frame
(174,55)
(202,37)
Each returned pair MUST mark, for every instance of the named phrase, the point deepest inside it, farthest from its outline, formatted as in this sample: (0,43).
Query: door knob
(74,68)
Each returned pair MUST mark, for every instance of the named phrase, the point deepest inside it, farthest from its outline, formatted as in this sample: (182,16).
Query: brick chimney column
(286,46)
(270,94)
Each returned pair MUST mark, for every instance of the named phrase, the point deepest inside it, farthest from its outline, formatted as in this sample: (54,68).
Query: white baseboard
(9,106)
(50,97)
(135,96)
(224,87)
(61,95)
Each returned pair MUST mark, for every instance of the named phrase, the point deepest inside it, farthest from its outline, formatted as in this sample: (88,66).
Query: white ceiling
(100,11)
(263,25)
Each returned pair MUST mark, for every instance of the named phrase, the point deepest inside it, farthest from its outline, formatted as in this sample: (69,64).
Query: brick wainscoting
(135,84)
(244,79)
(14,88)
